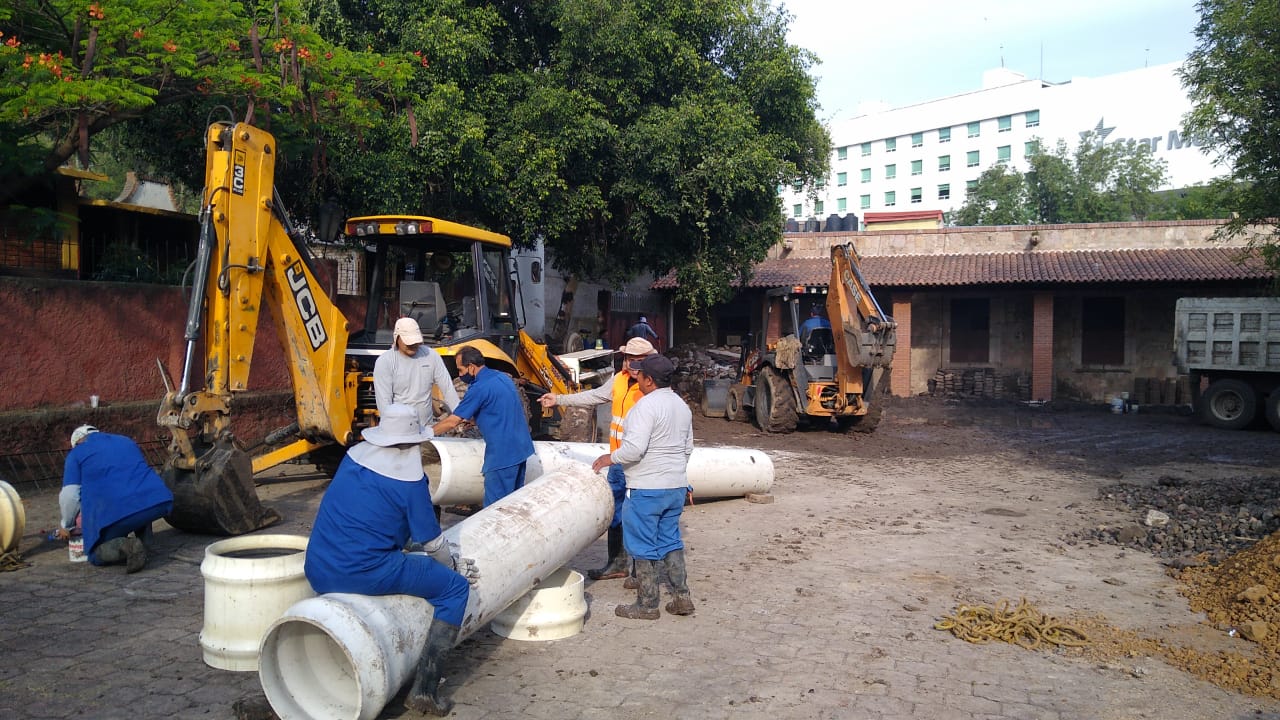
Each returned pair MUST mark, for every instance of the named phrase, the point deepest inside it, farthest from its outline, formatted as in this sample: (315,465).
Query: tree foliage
(1095,182)
(73,68)
(1233,79)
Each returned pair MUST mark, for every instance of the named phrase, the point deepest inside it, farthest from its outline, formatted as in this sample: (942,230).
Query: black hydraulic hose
(195,301)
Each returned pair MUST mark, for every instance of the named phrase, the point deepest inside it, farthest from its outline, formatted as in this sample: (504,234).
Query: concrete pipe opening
(306,673)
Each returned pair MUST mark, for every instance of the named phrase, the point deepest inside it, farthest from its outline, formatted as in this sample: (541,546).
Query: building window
(917,167)
(890,172)
(975,128)
(866,175)
(842,179)
(1033,118)
(969,185)
(1102,331)
(971,160)
(842,204)
(944,135)
(1029,148)
(817,208)
(796,210)
(944,163)
(1004,124)
(944,191)
(842,153)
(970,330)
(864,201)
(866,149)
(820,183)
(891,144)
(797,187)
(917,195)
(1003,153)
(890,198)
(917,139)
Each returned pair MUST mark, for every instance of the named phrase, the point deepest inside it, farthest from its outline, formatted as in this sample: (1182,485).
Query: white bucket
(554,609)
(1117,405)
(75,550)
(249,582)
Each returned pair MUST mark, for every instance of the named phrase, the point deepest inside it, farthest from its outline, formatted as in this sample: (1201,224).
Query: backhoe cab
(827,375)
(454,279)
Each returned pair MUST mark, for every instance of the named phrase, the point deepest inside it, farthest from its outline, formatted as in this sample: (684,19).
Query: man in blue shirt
(107,481)
(492,402)
(816,320)
(378,503)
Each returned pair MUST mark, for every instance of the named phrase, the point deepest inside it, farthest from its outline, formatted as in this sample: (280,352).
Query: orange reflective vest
(625,394)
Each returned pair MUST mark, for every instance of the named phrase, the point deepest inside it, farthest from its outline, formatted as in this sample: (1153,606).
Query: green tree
(1095,182)
(1233,79)
(73,68)
(998,198)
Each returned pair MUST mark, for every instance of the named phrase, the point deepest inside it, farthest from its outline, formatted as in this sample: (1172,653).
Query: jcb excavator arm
(865,337)
(248,259)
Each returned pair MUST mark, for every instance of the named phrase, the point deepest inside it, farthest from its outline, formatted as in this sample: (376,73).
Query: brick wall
(1042,347)
(900,381)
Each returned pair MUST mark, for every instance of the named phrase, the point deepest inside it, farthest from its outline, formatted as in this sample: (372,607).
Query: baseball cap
(658,367)
(637,346)
(80,433)
(407,330)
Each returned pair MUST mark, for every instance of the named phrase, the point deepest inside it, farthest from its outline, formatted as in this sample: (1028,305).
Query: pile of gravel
(1218,516)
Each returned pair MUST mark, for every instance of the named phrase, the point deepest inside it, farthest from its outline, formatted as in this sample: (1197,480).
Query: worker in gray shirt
(408,371)
(655,457)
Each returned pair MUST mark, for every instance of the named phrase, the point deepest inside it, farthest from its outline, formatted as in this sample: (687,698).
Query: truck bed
(1227,334)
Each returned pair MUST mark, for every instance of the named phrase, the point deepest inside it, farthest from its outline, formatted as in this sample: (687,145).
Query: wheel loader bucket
(219,497)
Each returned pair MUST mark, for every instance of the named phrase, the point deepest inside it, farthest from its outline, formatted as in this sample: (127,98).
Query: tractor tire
(775,402)
(1229,404)
(735,409)
(867,423)
(1272,410)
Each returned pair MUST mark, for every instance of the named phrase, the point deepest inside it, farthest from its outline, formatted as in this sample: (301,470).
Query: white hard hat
(79,434)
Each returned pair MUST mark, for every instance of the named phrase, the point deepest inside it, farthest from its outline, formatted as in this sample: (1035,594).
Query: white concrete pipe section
(346,656)
(453,467)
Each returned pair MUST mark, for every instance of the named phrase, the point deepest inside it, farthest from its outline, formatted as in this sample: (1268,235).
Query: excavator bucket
(219,497)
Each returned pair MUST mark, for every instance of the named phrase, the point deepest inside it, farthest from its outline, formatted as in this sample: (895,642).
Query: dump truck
(1232,346)
(835,375)
(456,280)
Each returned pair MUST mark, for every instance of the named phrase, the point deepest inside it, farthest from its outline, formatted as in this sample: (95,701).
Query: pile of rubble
(696,363)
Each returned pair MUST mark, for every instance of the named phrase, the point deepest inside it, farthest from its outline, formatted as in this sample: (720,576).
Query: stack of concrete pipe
(453,466)
(346,656)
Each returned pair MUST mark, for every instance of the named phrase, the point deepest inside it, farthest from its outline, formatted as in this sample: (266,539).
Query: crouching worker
(377,504)
(107,481)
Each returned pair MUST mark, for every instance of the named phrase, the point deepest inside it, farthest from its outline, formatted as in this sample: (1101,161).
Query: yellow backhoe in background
(834,375)
(456,280)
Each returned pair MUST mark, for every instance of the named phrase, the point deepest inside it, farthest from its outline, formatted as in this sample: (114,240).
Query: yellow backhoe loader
(456,280)
(832,375)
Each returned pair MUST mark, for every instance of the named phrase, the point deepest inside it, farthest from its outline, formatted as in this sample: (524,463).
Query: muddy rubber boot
(681,603)
(646,605)
(618,564)
(424,695)
(127,550)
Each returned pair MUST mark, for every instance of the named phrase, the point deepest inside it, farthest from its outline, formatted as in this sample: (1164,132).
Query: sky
(901,52)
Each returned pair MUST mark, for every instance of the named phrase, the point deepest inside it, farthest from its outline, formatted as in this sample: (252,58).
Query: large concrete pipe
(453,467)
(346,656)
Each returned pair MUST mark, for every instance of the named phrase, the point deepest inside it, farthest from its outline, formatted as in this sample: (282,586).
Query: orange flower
(137,34)
(12,42)
(233,46)
(95,12)
(328,56)
(169,46)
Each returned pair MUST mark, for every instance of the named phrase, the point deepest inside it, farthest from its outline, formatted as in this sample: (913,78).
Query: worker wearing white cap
(622,393)
(409,371)
(379,502)
(107,481)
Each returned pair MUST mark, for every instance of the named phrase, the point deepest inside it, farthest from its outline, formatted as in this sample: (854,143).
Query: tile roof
(1067,267)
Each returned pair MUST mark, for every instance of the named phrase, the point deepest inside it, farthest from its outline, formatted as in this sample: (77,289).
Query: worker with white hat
(622,393)
(409,371)
(107,482)
(378,503)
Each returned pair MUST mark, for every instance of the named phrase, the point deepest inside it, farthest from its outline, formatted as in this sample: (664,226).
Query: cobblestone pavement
(819,605)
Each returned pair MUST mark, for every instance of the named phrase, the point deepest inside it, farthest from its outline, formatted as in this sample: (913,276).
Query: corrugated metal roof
(1062,268)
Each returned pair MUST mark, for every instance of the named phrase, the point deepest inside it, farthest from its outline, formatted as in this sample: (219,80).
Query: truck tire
(1273,409)
(775,403)
(735,408)
(867,423)
(1229,404)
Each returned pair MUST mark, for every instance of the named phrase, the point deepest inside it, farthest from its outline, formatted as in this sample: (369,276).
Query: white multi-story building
(926,156)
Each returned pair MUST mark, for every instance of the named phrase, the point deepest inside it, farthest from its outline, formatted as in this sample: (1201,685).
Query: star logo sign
(1099,131)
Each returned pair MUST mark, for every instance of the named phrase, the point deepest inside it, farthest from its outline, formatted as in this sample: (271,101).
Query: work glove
(447,555)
